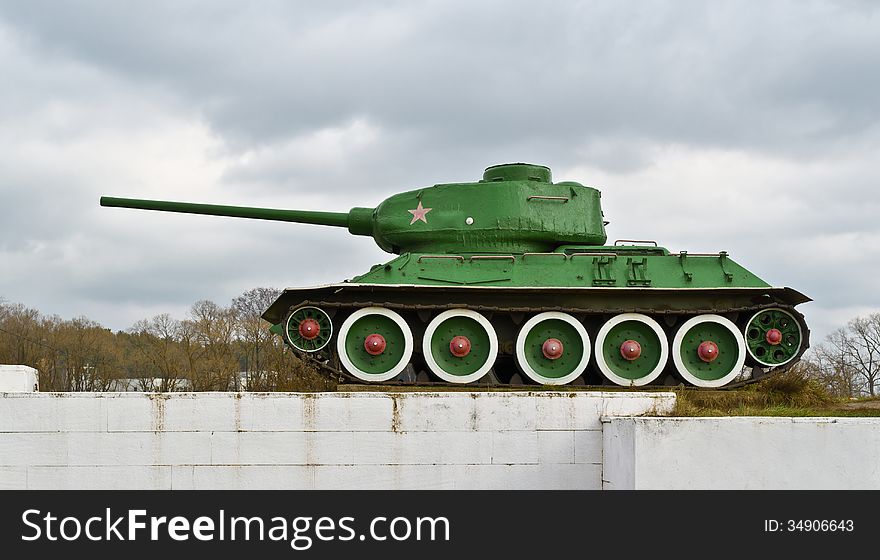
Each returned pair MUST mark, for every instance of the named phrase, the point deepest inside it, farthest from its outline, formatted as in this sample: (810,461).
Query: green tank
(509,280)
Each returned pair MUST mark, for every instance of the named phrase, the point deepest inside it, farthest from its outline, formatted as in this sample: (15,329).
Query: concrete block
(466,477)
(52,412)
(22,449)
(283,448)
(532,477)
(556,447)
(139,448)
(13,478)
(387,477)
(329,448)
(348,412)
(510,448)
(568,411)
(258,448)
(190,412)
(434,411)
(182,477)
(460,411)
(421,448)
(505,411)
(588,446)
(253,477)
(140,412)
(83,448)
(271,412)
(632,404)
(99,478)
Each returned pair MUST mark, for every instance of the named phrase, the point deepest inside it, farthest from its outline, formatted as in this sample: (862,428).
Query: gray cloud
(746,127)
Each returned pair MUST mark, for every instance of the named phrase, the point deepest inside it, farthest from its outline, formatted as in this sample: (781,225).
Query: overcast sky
(751,127)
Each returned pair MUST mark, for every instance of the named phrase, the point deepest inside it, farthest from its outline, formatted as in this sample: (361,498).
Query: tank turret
(514,208)
(507,280)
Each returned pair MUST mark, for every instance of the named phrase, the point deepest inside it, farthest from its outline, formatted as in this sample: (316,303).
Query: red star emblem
(419,213)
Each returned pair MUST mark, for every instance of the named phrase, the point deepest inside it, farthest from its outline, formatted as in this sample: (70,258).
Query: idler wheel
(631,349)
(308,329)
(773,337)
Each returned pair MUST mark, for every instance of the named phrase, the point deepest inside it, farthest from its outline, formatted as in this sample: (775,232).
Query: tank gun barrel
(359,221)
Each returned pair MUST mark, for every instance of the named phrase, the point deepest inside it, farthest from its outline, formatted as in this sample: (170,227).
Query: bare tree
(157,341)
(829,366)
(208,337)
(257,344)
(849,359)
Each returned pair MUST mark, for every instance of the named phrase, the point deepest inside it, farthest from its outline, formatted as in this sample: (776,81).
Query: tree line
(215,348)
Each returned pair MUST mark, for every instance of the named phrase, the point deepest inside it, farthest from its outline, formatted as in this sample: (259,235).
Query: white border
(521,348)
(800,336)
(374,377)
(435,367)
(676,351)
(606,369)
(287,328)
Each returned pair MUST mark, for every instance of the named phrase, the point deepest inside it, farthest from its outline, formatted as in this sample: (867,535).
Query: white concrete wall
(742,453)
(23,379)
(304,441)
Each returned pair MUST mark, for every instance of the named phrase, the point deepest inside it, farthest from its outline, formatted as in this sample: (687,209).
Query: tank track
(506,321)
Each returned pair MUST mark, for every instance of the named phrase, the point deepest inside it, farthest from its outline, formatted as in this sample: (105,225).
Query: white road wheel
(553,348)
(460,346)
(374,344)
(631,349)
(708,351)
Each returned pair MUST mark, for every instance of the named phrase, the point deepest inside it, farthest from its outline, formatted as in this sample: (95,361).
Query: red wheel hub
(309,329)
(460,346)
(552,349)
(374,344)
(630,350)
(707,351)
(774,336)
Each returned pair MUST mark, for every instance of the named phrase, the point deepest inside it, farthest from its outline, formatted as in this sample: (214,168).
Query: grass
(784,394)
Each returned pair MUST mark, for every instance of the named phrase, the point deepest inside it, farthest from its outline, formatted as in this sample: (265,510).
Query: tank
(509,280)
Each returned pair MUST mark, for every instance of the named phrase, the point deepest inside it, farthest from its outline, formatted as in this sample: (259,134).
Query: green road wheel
(308,329)
(374,344)
(708,351)
(552,348)
(460,346)
(631,349)
(773,337)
